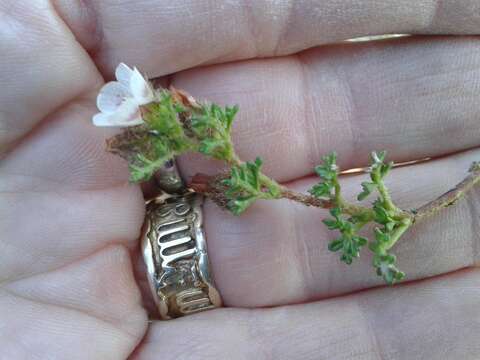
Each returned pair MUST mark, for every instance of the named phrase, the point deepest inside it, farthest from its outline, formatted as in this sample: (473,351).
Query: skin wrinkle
(342,85)
(130,295)
(78,100)
(351,106)
(474,206)
(301,252)
(125,239)
(61,267)
(71,309)
(252,331)
(285,29)
(85,24)
(88,154)
(371,330)
(309,115)
(332,18)
(331,329)
(251,26)
(61,40)
(437,7)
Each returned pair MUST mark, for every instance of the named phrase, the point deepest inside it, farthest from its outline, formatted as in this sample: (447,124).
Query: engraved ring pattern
(175,252)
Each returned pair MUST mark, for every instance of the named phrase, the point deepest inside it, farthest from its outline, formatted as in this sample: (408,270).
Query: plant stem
(387,199)
(305,199)
(450,197)
(397,234)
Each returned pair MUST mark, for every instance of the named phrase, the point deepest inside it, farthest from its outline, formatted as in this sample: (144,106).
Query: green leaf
(324,173)
(385,168)
(331,224)
(381,236)
(386,268)
(146,147)
(320,190)
(378,156)
(328,170)
(230,113)
(330,159)
(381,214)
(244,186)
(239,205)
(335,245)
(143,169)
(335,212)
(360,218)
(390,226)
(349,243)
(361,241)
(367,187)
(211,126)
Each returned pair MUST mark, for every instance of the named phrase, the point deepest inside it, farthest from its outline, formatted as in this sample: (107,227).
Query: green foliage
(143,168)
(367,187)
(166,138)
(328,172)
(385,237)
(212,126)
(171,129)
(246,185)
(173,126)
(378,168)
(348,220)
(349,242)
(162,120)
(386,268)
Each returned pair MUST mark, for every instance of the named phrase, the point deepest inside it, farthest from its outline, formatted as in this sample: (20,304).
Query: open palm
(69,220)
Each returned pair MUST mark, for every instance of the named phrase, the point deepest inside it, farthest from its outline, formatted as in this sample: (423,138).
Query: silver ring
(175,253)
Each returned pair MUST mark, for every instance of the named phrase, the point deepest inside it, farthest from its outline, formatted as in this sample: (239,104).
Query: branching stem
(450,197)
(397,233)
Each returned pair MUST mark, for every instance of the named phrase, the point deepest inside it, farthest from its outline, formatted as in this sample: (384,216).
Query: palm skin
(71,281)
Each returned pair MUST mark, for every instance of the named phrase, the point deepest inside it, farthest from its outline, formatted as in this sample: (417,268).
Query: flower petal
(128,114)
(102,119)
(111,96)
(123,74)
(140,88)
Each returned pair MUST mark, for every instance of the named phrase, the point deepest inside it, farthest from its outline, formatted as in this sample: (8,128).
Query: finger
(80,304)
(435,319)
(42,66)
(75,197)
(276,253)
(163,37)
(414,98)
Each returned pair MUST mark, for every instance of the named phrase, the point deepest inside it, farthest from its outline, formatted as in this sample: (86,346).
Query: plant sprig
(175,124)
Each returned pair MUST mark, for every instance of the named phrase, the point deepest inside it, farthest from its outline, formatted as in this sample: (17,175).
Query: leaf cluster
(378,170)
(349,243)
(350,220)
(386,215)
(328,172)
(172,127)
(245,186)
(166,137)
(383,262)
(212,127)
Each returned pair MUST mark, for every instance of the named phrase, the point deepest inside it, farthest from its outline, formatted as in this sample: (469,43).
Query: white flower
(119,101)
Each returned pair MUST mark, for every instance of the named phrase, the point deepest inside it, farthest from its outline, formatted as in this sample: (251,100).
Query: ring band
(175,253)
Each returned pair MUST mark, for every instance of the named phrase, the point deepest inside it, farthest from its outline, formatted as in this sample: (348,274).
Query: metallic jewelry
(175,252)
(168,178)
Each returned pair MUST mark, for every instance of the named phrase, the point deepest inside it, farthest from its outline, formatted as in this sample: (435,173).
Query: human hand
(70,222)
